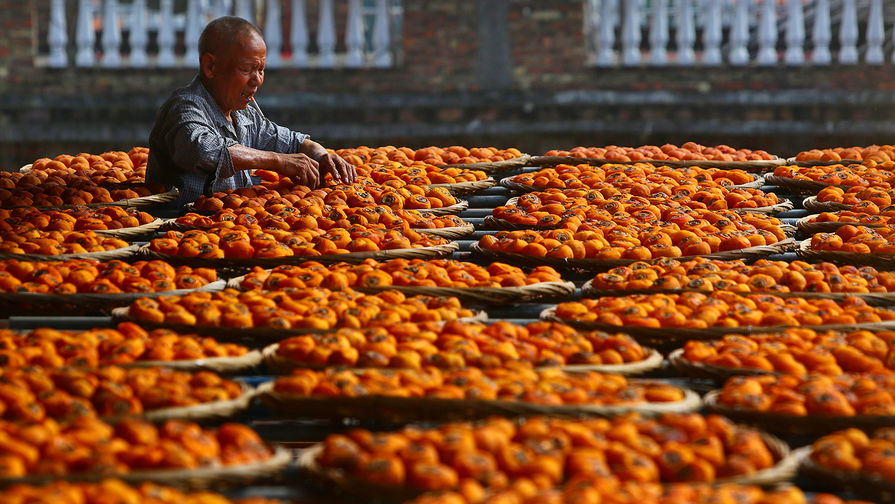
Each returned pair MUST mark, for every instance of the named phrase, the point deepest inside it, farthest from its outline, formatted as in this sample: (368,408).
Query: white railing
(371,38)
(759,32)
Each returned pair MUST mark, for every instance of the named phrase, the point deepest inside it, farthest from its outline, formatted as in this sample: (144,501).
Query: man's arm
(300,167)
(275,138)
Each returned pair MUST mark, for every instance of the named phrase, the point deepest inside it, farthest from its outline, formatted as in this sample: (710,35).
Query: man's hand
(341,170)
(301,169)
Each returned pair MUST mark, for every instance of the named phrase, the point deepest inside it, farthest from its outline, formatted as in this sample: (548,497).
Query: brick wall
(435,93)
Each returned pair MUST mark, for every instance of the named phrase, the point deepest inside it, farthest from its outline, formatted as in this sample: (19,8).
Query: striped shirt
(188,145)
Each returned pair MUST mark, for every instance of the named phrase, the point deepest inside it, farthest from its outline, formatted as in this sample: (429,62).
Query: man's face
(238,72)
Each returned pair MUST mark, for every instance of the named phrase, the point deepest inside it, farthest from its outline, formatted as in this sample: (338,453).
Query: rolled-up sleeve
(196,146)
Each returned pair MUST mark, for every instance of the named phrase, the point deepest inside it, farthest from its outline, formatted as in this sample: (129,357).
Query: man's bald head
(223,32)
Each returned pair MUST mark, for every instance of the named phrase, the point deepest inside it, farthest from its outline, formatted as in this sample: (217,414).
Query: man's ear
(207,65)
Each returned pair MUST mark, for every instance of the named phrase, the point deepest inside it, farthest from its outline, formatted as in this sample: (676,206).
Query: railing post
(795,33)
(591,21)
(658,36)
(606,37)
(848,33)
(244,10)
(166,34)
(767,34)
(382,36)
(875,34)
(191,34)
(821,35)
(111,35)
(85,36)
(631,33)
(354,35)
(139,38)
(219,9)
(686,33)
(273,34)
(57,35)
(326,35)
(739,34)
(712,35)
(298,38)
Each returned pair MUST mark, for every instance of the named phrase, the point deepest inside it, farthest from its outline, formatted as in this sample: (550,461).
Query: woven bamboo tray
(759,166)
(337,481)
(487,295)
(672,338)
(804,225)
(132,232)
(461,188)
(879,261)
(252,337)
(207,412)
(512,185)
(872,298)
(193,479)
(481,295)
(106,255)
(140,202)
(796,425)
(590,265)
(865,485)
(709,371)
(451,233)
(276,363)
(456,208)
(799,186)
(793,161)
(404,409)
(84,302)
(654,360)
(433,252)
(493,166)
(219,365)
(810,203)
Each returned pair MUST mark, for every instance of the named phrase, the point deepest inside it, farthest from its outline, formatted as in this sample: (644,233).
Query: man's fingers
(346,172)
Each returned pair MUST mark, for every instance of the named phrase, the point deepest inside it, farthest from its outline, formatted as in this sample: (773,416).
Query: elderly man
(209,135)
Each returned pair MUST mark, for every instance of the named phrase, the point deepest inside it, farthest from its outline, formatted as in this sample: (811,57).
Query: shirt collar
(239,116)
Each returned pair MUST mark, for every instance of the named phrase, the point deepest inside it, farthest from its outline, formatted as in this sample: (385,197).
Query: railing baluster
(631,33)
(795,34)
(273,34)
(591,22)
(166,34)
(712,35)
(299,36)
(739,34)
(382,37)
(875,34)
(848,33)
(686,33)
(821,35)
(220,9)
(658,37)
(354,35)
(194,27)
(85,36)
(767,34)
(326,35)
(57,35)
(139,37)
(111,35)
(606,37)
(244,10)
